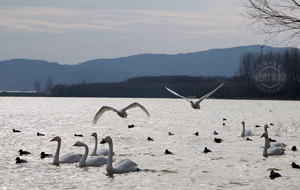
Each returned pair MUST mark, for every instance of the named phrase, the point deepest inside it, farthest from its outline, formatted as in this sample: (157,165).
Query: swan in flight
(122,166)
(195,105)
(95,161)
(272,150)
(245,132)
(103,152)
(121,112)
(68,158)
(273,144)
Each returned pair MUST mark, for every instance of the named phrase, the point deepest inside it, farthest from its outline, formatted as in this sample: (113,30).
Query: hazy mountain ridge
(20,74)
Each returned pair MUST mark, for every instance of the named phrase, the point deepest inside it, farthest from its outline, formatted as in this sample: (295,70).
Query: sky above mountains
(74,31)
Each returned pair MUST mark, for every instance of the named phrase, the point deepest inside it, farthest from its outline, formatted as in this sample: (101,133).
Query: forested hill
(21,74)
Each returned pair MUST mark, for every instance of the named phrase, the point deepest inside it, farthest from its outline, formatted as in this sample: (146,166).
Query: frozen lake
(233,164)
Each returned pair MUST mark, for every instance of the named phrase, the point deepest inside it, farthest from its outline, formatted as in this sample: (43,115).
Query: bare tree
(49,84)
(292,70)
(37,85)
(274,17)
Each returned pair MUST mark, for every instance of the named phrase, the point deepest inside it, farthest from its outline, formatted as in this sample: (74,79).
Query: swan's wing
(276,151)
(207,95)
(277,144)
(70,158)
(96,161)
(100,113)
(125,163)
(248,133)
(103,152)
(134,105)
(177,94)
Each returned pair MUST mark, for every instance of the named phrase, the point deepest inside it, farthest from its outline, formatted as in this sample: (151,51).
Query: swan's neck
(84,157)
(243,132)
(56,156)
(265,152)
(95,149)
(109,167)
(268,141)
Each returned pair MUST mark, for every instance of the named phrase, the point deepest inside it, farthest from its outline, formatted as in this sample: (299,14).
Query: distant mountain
(20,74)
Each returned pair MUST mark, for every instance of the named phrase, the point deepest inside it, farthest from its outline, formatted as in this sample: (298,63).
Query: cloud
(60,21)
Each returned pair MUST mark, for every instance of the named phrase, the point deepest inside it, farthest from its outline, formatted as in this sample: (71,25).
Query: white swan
(266,133)
(273,144)
(272,150)
(195,105)
(245,132)
(95,161)
(121,112)
(103,152)
(122,166)
(68,158)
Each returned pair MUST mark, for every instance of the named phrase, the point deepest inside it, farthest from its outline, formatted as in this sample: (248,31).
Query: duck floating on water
(23,152)
(273,174)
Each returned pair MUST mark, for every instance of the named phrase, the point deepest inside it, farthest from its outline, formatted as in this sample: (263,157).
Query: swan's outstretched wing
(177,94)
(100,113)
(207,95)
(134,105)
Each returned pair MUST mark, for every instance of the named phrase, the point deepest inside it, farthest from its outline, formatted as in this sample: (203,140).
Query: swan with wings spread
(121,112)
(195,105)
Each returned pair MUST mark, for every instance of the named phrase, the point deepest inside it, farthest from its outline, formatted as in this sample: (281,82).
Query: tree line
(270,75)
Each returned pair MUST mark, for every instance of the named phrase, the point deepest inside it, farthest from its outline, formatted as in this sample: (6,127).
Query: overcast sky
(75,31)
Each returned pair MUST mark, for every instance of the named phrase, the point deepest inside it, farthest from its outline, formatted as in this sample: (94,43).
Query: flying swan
(272,150)
(123,166)
(103,152)
(195,105)
(120,112)
(245,132)
(95,161)
(68,158)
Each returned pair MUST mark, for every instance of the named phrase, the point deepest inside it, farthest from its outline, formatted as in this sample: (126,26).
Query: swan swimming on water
(121,112)
(273,144)
(103,152)
(195,105)
(122,166)
(245,132)
(95,161)
(68,158)
(272,150)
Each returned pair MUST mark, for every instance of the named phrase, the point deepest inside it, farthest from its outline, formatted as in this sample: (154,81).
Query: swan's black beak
(103,141)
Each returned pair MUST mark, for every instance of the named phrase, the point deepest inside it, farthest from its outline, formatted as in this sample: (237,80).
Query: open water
(233,164)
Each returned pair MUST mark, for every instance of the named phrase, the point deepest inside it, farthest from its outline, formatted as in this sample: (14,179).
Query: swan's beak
(262,135)
(103,141)
(93,134)
(267,126)
(75,144)
(53,139)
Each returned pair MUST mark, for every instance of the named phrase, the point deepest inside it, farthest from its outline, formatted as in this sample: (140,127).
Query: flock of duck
(105,156)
